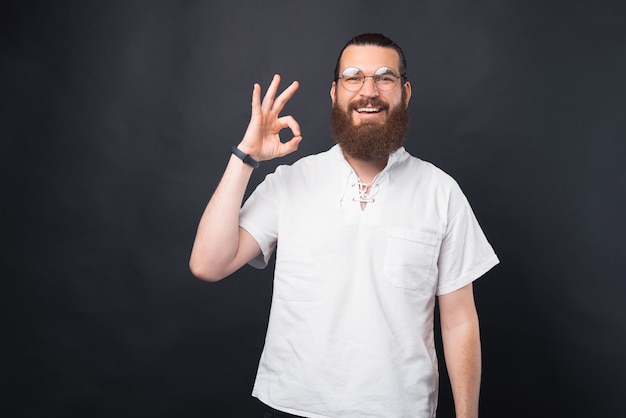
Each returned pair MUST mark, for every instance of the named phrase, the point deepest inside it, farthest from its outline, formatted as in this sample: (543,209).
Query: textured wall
(117,119)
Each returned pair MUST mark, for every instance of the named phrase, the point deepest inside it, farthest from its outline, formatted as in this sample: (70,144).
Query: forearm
(221,246)
(463,360)
(217,239)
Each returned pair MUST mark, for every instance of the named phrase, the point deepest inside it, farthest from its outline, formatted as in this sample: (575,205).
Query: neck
(366,170)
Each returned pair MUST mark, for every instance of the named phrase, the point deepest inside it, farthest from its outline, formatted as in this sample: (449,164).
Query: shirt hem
(288,410)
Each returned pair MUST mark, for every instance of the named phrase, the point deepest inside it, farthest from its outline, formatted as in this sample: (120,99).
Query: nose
(369,88)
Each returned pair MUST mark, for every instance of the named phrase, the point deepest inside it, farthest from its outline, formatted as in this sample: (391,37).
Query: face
(369,105)
(370,123)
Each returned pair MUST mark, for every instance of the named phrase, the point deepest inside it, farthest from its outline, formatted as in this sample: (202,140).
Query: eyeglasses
(352,79)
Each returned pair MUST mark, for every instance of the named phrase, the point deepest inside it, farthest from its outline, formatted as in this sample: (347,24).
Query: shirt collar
(395,157)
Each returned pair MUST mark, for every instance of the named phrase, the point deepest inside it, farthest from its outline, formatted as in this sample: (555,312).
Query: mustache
(374,102)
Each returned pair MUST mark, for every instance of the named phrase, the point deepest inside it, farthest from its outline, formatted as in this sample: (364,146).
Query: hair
(376,39)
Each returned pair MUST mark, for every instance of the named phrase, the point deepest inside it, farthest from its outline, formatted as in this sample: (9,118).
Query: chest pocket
(410,258)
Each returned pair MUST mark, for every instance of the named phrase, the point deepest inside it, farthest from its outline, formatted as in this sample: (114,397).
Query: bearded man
(367,238)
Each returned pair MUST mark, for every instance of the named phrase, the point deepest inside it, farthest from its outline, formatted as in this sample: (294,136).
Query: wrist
(245,157)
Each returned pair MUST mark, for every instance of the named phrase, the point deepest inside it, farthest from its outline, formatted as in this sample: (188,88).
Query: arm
(461,345)
(221,246)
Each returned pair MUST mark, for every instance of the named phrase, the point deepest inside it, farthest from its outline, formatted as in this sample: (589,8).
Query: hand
(261,140)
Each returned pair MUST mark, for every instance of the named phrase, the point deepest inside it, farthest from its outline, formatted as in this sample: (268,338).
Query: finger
(289,146)
(268,99)
(291,123)
(285,96)
(256,98)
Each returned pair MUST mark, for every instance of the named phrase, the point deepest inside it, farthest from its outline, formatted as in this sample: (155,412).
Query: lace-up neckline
(360,192)
(366,191)
(357,191)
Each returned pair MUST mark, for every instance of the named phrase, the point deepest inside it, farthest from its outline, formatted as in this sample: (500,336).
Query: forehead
(369,58)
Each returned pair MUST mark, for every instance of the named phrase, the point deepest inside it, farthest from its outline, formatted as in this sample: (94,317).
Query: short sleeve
(259,216)
(465,253)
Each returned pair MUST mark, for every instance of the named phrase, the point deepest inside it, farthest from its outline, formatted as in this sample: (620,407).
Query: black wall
(116,123)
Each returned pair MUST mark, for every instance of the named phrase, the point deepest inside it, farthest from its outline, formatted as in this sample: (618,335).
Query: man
(366,238)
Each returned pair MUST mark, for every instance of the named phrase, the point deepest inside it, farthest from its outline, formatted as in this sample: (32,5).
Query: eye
(386,78)
(352,75)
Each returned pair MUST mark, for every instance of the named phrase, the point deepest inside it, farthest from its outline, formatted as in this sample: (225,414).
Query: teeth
(368,109)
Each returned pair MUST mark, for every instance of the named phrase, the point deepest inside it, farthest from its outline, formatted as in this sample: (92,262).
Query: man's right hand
(261,140)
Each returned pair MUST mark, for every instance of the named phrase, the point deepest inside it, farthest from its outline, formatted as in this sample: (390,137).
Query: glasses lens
(352,79)
(385,78)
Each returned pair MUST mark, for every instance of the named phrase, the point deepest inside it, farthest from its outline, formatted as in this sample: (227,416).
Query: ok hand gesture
(261,140)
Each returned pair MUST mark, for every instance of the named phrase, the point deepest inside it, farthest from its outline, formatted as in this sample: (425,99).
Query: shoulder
(428,183)
(304,173)
(412,168)
(324,161)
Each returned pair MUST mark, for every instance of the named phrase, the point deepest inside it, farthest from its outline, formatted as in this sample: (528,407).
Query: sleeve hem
(473,275)
(260,261)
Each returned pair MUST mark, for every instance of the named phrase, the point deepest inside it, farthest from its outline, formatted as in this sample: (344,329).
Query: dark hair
(376,39)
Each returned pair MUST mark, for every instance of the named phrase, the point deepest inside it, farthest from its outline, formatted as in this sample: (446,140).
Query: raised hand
(261,140)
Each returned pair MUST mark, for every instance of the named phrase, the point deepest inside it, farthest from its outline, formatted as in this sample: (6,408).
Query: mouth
(369,110)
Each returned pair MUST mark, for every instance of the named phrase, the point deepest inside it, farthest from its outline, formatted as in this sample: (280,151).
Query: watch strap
(244,157)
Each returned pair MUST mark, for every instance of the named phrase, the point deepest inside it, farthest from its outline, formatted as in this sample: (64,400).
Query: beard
(370,141)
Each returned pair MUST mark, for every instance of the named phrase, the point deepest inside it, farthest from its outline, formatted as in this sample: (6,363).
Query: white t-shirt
(350,332)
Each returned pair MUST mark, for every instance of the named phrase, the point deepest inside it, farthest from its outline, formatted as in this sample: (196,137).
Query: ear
(333,90)
(407,88)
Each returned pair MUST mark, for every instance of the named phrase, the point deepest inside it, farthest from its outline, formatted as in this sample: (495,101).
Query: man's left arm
(461,346)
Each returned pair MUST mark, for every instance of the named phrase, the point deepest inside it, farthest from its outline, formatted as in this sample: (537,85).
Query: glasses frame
(388,71)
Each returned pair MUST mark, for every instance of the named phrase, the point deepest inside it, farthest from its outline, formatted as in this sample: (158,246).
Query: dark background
(116,123)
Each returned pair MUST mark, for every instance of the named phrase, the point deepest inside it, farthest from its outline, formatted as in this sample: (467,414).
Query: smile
(368,109)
